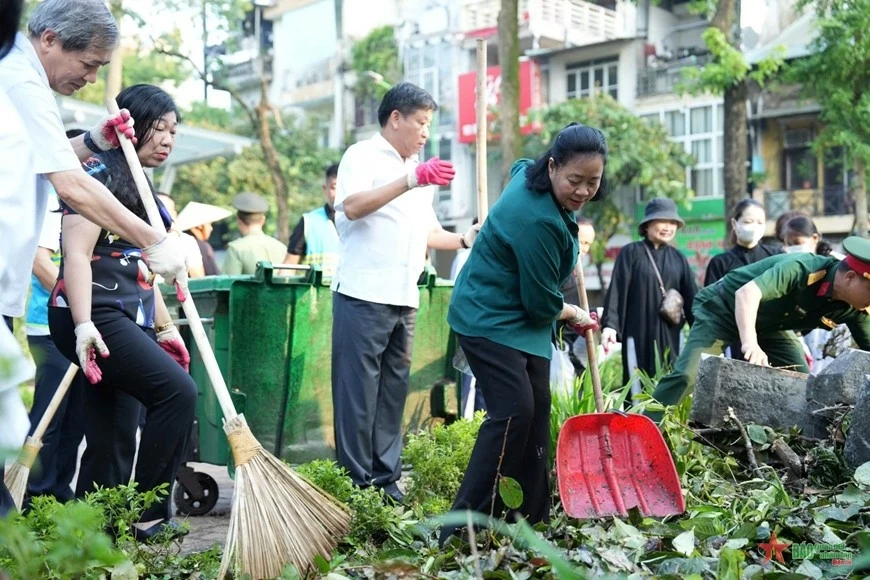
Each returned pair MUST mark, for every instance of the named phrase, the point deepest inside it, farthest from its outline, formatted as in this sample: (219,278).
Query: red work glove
(433,172)
(170,341)
(104,134)
(583,321)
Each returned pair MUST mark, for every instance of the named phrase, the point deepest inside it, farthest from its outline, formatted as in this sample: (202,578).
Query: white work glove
(168,258)
(582,320)
(14,421)
(89,341)
(608,339)
(753,354)
(471,235)
(104,135)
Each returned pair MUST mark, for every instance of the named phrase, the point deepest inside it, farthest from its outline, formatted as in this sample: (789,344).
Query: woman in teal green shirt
(504,307)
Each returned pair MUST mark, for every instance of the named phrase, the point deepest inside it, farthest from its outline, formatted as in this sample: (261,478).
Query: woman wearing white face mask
(747,228)
(748,224)
(800,234)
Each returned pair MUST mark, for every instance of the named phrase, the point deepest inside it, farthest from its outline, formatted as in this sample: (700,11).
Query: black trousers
(56,464)
(371,372)
(516,388)
(136,371)
(6,503)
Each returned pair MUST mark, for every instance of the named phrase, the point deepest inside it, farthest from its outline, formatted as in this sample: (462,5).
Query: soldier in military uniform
(254,245)
(758,303)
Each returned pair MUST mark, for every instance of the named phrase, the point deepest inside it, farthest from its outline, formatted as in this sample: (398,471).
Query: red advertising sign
(530,98)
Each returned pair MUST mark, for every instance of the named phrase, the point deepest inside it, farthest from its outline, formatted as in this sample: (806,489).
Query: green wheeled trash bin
(272,336)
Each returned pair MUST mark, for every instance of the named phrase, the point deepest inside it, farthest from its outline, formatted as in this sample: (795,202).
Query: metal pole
(204,56)
(482,201)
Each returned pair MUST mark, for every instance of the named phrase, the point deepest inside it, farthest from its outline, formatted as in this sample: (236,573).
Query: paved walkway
(210,529)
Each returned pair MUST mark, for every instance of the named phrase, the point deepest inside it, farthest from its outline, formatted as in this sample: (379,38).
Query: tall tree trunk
(861,220)
(509,60)
(736,149)
(282,191)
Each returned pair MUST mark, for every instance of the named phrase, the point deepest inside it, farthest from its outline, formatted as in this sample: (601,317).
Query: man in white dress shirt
(67,42)
(385,222)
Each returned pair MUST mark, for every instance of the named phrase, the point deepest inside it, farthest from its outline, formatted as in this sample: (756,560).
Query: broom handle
(56,399)
(590,338)
(199,336)
(482,201)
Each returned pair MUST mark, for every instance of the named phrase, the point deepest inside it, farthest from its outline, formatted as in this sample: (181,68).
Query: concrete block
(836,384)
(839,382)
(857,450)
(761,395)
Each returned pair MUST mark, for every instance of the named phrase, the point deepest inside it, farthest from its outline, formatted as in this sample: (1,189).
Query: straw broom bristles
(277,516)
(16,476)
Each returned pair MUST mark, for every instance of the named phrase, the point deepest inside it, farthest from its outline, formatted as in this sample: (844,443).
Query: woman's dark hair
(803,226)
(147,105)
(572,141)
(738,213)
(10,14)
(779,228)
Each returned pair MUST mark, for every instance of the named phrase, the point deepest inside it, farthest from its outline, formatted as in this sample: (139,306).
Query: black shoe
(391,491)
(171,528)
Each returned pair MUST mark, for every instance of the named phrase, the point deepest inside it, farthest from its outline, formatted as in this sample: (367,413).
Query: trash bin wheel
(186,501)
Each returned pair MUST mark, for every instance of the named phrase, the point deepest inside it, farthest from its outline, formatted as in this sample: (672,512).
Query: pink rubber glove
(170,341)
(89,341)
(432,172)
(104,133)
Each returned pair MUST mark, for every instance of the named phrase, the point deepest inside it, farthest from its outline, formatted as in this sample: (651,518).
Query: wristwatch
(462,242)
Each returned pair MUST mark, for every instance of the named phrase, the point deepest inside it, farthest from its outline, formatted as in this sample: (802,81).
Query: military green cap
(858,254)
(250,203)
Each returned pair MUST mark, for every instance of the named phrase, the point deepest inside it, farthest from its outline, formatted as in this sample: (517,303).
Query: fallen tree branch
(788,457)
(715,431)
(840,407)
(747,443)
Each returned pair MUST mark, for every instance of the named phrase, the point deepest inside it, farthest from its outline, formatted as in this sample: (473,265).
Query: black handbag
(671,306)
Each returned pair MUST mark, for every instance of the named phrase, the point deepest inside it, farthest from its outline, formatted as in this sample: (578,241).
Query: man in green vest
(254,245)
(756,304)
(315,240)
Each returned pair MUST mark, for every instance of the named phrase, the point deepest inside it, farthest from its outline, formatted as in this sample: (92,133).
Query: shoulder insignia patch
(829,323)
(816,276)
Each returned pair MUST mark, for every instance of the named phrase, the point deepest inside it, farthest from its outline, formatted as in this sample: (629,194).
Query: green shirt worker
(254,245)
(757,304)
(504,307)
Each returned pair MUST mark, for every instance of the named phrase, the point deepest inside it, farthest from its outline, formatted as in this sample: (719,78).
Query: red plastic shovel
(608,463)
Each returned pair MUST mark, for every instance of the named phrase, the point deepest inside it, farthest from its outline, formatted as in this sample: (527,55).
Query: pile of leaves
(739,521)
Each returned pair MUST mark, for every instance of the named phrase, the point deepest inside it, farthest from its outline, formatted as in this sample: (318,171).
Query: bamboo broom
(16,477)
(277,517)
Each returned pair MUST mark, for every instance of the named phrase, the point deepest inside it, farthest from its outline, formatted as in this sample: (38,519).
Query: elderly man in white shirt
(385,221)
(17,206)
(67,42)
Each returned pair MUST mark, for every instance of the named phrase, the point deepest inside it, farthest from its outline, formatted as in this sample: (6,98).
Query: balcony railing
(664,78)
(570,22)
(245,73)
(828,201)
(312,83)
